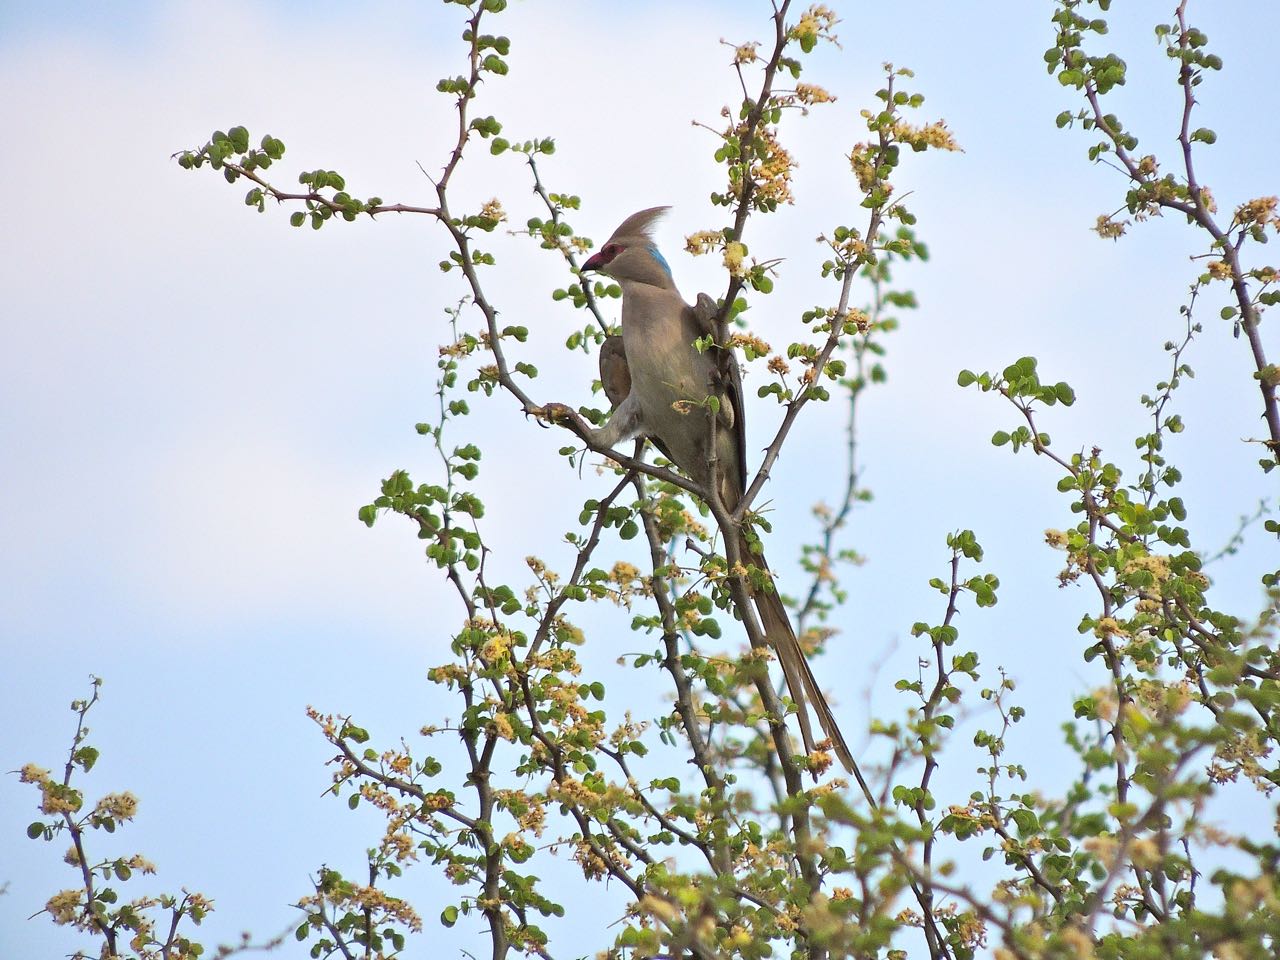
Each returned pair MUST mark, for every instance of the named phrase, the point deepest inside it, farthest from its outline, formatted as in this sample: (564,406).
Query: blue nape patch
(662,260)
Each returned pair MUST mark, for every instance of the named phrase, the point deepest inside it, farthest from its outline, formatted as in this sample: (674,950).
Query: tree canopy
(674,778)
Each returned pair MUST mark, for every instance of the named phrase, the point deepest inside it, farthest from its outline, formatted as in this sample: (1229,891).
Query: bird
(659,382)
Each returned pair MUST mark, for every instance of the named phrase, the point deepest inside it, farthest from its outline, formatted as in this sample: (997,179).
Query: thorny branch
(1197,209)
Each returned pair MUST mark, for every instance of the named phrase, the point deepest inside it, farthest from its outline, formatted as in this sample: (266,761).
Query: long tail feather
(801,682)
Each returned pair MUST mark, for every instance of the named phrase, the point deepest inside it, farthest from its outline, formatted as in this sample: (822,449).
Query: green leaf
(35,830)
(350,731)
(1026,820)
(999,438)
(449,916)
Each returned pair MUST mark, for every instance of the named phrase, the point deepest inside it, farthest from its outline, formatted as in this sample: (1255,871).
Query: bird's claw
(555,413)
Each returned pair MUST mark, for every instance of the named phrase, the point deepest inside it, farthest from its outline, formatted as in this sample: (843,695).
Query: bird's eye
(611,250)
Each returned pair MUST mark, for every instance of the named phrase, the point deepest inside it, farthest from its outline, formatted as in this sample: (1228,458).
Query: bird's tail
(801,682)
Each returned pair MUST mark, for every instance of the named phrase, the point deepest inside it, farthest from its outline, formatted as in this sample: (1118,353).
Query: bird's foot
(556,413)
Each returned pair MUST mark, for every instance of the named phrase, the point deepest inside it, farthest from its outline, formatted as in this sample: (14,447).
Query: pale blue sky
(194,399)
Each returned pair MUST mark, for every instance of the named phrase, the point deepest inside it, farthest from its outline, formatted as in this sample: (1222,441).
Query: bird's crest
(639,224)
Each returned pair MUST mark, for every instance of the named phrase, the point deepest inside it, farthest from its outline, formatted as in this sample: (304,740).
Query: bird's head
(630,253)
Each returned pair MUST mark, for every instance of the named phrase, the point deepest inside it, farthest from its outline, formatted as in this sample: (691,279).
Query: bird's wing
(615,376)
(732,412)
(733,397)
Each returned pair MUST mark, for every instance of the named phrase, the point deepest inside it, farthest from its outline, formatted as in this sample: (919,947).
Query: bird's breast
(662,366)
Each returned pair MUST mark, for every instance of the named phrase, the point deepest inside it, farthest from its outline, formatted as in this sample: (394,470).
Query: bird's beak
(594,262)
